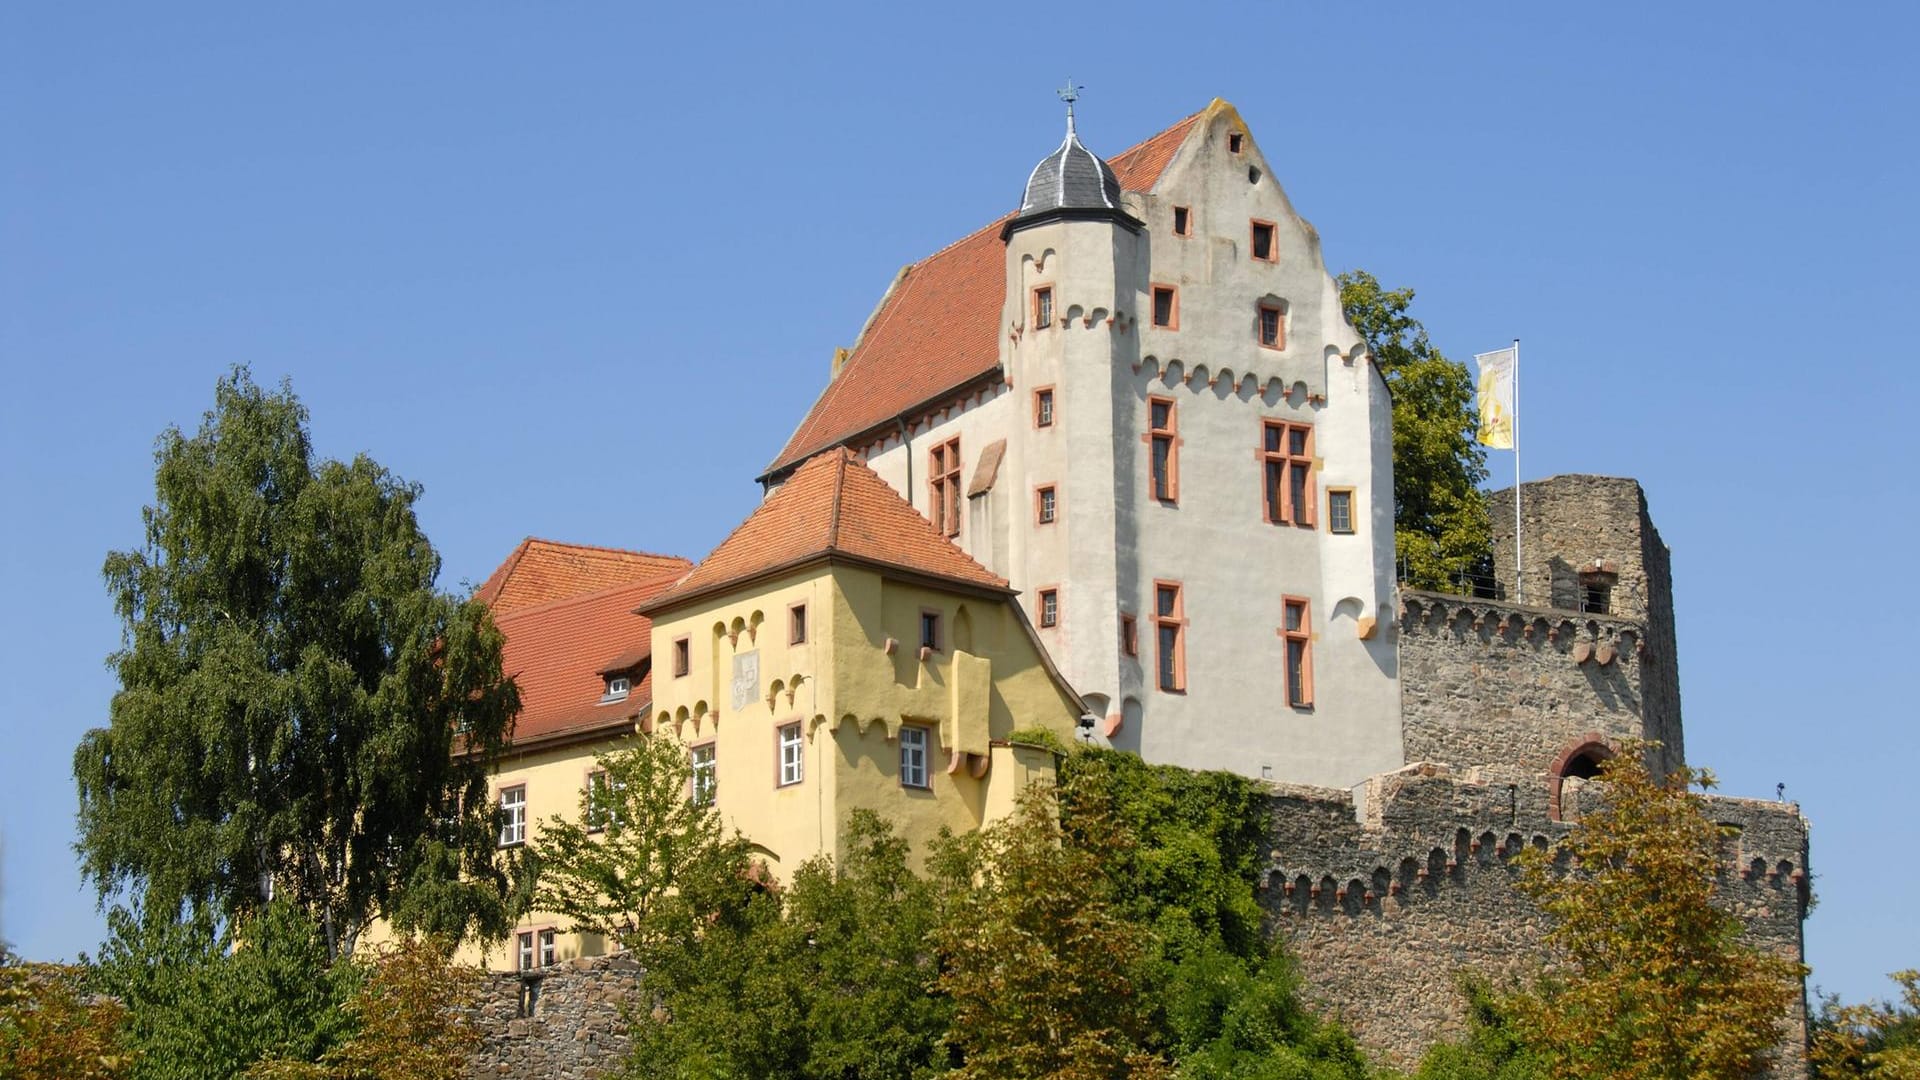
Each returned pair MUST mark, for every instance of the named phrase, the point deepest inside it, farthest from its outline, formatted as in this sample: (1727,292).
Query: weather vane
(1070,94)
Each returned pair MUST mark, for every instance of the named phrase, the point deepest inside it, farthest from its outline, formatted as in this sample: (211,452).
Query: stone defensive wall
(565,1022)
(1388,892)
(1518,689)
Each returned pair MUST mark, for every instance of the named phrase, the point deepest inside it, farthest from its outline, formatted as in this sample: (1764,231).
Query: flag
(1496,396)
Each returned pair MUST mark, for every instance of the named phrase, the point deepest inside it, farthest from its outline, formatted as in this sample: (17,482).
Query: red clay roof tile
(557,652)
(541,571)
(832,505)
(939,328)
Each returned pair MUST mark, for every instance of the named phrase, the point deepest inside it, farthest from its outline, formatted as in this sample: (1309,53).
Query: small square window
(1042,307)
(797,624)
(913,757)
(1129,635)
(1166,307)
(547,950)
(1339,510)
(930,630)
(1046,504)
(1043,408)
(1182,221)
(706,774)
(1049,607)
(618,686)
(682,656)
(1264,247)
(1272,330)
(792,761)
(513,816)
(1234,141)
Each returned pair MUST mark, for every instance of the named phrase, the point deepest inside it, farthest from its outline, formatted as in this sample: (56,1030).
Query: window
(1166,307)
(513,815)
(930,630)
(525,943)
(682,656)
(546,948)
(1046,504)
(1043,407)
(1170,625)
(600,810)
(943,486)
(1340,510)
(1286,452)
(1042,307)
(706,774)
(913,757)
(1164,457)
(1129,636)
(1049,607)
(1297,629)
(792,767)
(617,688)
(1234,139)
(1264,247)
(1596,598)
(1182,221)
(797,624)
(1271,328)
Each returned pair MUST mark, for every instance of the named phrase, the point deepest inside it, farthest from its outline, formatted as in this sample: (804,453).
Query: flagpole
(1513,422)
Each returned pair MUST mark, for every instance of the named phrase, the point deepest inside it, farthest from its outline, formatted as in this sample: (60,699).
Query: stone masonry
(1387,894)
(564,1023)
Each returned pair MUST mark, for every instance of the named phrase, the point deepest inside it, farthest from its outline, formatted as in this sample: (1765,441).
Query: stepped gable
(938,327)
(542,571)
(560,652)
(832,506)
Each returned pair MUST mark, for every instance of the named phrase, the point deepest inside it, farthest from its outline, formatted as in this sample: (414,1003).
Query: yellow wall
(851,697)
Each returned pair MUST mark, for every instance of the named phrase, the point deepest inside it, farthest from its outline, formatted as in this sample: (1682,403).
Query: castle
(1115,467)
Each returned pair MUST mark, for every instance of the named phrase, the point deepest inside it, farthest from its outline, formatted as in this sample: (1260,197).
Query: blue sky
(580,269)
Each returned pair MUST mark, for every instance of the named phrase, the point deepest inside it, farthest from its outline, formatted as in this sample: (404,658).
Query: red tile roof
(556,653)
(939,327)
(542,571)
(832,505)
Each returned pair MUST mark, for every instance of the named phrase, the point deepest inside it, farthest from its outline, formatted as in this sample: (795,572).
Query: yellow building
(837,653)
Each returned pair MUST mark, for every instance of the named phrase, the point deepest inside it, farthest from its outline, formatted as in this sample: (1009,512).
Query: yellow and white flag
(1496,396)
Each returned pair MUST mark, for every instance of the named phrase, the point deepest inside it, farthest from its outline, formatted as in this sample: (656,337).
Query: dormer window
(618,687)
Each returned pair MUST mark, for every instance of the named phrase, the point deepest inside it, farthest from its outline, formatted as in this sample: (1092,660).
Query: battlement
(1386,893)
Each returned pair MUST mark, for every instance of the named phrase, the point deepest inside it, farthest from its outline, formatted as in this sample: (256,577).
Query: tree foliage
(203,1004)
(1872,1041)
(51,1028)
(290,686)
(1650,980)
(1493,1048)
(1440,514)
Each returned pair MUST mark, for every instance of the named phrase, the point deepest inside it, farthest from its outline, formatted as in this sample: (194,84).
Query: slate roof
(833,505)
(938,328)
(1070,177)
(541,571)
(559,652)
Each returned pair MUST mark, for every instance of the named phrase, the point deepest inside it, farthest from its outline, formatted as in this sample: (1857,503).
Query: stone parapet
(565,1022)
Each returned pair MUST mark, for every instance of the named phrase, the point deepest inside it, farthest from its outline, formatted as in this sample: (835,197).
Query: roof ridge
(1143,142)
(549,606)
(993,226)
(599,547)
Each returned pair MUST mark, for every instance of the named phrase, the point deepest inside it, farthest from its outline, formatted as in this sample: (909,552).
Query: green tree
(1493,1048)
(52,1029)
(1439,513)
(203,1004)
(1043,967)
(290,687)
(1871,1041)
(1649,979)
(412,1015)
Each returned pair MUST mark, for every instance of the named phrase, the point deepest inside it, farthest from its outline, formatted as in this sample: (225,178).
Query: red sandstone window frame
(1170,636)
(1047,606)
(933,634)
(1163,485)
(1129,636)
(1333,520)
(944,492)
(1172,293)
(520,826)
(1046,504)
(1273,240)
(1042,296)
(699,793)
(1236,140)
(1278,341)
(536,947)
(682,656)
(1043,406)
(1183,216)
(797,623)
(1296,631)
(782,776)
(1287,473)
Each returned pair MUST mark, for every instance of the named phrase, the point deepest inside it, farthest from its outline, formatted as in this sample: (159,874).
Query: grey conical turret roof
(1071,178)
